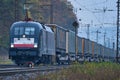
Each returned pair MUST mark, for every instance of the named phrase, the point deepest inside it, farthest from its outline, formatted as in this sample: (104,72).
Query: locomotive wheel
(31,64)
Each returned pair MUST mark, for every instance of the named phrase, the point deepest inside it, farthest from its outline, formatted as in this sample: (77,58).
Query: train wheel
(31,64)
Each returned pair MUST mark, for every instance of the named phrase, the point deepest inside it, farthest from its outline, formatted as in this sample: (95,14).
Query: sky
(101,15)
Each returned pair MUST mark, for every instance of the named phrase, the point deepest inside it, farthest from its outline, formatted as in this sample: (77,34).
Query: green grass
(6,61)
(86,71)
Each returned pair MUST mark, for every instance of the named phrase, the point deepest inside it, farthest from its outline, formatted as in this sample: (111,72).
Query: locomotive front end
(24,42)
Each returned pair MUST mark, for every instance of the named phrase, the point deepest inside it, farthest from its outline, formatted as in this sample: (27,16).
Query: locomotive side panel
(43,49)
(50,44)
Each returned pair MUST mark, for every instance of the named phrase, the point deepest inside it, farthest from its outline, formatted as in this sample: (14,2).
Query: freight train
(33,43)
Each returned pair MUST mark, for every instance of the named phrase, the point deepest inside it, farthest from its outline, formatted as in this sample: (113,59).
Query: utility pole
(108,40)
(113,46)
(76,25)
(88,31)
(104,38)
(97,32)
(51,12)
(118,22)
(43,4)
(88,35)
(16,10)
(104,43)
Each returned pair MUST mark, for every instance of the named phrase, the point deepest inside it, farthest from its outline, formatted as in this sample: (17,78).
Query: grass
(86,71)
(5,61)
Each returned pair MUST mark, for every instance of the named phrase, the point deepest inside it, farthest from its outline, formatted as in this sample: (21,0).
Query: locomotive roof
(27,22)
(41,26)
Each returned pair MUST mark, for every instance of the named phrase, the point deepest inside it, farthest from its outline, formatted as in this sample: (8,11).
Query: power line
(103,2)
(90,12)
(16,10)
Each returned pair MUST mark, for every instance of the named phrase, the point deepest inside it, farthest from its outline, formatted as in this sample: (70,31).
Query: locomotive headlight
(12,45)
(35,46)
(23,36)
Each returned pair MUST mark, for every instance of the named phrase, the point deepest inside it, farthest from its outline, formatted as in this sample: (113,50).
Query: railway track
(7,65)
(21,70)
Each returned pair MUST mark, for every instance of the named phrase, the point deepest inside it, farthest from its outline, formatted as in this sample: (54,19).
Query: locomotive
(31,42)
(34,43)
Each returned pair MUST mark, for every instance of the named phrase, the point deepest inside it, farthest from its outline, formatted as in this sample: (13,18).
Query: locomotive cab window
(29,30)
(24,30)
(19,30)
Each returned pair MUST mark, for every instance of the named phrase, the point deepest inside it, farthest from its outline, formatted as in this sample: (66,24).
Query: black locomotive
(31,42)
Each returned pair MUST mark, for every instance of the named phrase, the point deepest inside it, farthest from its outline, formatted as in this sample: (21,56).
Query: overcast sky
(101,15)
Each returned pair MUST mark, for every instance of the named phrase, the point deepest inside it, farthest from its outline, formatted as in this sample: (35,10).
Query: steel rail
(13,71)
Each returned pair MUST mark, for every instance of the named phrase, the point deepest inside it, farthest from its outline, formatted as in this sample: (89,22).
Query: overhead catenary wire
(87,9)
(102,2)
(92,12)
